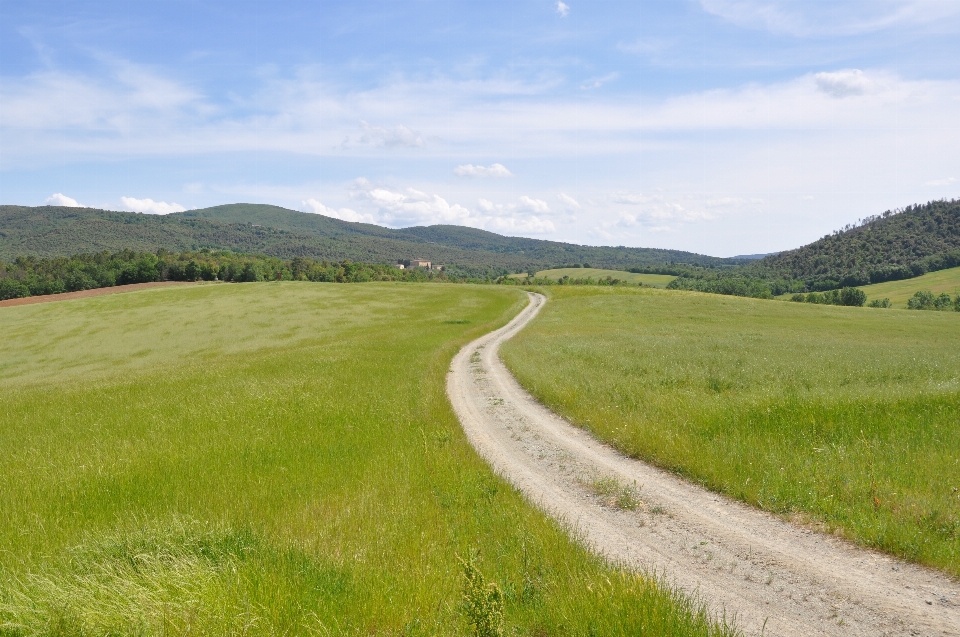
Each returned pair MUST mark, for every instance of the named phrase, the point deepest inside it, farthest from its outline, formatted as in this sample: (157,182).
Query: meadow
(275,459)
(652,280)
(844,418)
(942,281)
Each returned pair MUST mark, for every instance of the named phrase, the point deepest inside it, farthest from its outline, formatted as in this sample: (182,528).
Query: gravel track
(772,577)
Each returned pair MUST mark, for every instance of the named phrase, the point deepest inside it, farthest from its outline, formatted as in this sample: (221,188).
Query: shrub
(852,297)
(943,302)
(12,289)
(482,602)
(925,300)
(879,303)
(921,301)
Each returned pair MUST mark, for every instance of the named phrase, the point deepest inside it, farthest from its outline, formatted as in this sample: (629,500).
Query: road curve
(775,578)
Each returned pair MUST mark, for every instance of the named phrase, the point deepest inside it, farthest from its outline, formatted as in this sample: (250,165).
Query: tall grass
(848,418)
(273,459)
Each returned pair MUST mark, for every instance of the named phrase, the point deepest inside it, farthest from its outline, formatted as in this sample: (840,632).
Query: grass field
(653,280)
(900,291)
(843,417)
(267,459)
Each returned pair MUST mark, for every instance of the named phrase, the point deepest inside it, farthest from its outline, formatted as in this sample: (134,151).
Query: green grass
(272,459)
(900,291)
(847,418)
(653,280)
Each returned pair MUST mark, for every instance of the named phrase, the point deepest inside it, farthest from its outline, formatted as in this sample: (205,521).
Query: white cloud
(344,214)
(413,207)
(489,206)
(843,83)
(60,199)
(627,198)
(803,18)
(409,206)
(493,170)
(562,8)
(533,205)
(687,208)
(568,200)
(399,136)
(526,225)
(941,182)
(302,115)
(597,82)
(150,206)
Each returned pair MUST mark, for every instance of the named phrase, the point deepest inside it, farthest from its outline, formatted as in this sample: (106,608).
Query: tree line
(33,276)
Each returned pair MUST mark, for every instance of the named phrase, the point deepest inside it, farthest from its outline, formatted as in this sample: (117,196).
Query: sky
(723,127)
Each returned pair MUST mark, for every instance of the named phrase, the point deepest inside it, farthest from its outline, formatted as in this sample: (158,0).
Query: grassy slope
(269,459)
(899,291)
(843,416)
(653,280)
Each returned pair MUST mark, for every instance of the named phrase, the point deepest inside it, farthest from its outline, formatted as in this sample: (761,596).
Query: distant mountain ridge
(50,231)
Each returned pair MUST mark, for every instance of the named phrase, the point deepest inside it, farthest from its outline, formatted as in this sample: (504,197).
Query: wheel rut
(770,576)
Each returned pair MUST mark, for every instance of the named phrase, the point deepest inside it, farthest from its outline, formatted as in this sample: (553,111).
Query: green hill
(887,247)
(940,282)
(651,280)
(49,231)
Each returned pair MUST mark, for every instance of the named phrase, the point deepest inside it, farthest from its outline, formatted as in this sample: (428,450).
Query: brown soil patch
(66,296)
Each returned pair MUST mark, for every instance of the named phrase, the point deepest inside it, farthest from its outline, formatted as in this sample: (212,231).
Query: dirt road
(774,577)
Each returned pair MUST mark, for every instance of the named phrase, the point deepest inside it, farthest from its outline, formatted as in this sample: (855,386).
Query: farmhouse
(419,263)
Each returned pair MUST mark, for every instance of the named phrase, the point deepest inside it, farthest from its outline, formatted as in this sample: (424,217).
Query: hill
(888,247)
(49,231)
(940,282)
(651,280)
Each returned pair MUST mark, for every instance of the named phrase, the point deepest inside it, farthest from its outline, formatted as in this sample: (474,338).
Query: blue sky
(719,126)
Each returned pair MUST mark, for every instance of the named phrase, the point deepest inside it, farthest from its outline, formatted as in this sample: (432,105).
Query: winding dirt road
(773,577)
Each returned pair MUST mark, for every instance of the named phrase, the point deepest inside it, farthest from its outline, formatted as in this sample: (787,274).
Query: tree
(853,297)
(12,289)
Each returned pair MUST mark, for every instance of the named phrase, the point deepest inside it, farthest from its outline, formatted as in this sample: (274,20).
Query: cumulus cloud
(399,136)
(568,200)
(409,206)
(493,170)
(489,206)
(514,218)
(150,206)
(533,205)
(60,199)
(562,8)
(344,214)
(841,84)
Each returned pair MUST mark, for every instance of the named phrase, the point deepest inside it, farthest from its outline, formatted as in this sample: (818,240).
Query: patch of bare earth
(66,296)
(773,577)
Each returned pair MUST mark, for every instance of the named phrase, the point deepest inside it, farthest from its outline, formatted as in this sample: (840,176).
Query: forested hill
(891,246)
(49,231)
